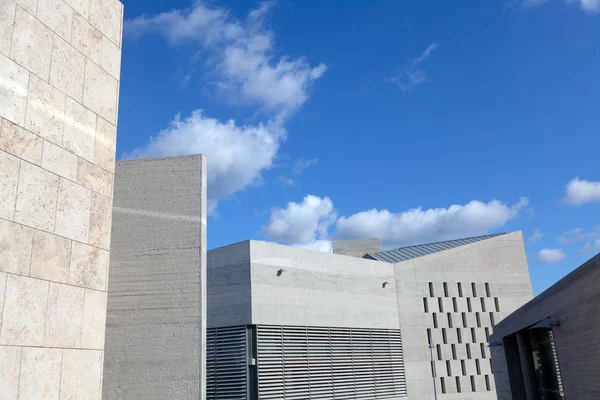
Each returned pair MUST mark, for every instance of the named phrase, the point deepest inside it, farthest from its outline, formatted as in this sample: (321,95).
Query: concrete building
(549,348)
(290,323)
(59,85)
(156,320)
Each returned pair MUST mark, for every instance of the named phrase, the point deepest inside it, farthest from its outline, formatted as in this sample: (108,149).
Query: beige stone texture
(31,44)
(7,20)
(58,160)
(15,247)
(81,6)
(111,58)
(35,364)
(36,197)
(50,257)
(45,110)
(100,92)
(87,39)
(68,66)
(79,134)
(24,316)
(57,15)
(65,316)
(29,5)
(89,267)
(73,211)
(10,363)
(100,221)
(81,375)
(106,15)
(13,92)
(106,145)
(94,177)
(9,177)
(94,320)
(21,143)
(3,276)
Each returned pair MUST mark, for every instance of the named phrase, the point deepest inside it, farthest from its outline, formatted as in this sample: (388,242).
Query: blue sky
(410,121)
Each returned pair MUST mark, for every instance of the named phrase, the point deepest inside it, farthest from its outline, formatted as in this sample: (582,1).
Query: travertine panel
(106,16)
(7,19)
(95,178)
(57,15)
(9,177)
(24,315)
(45,110)
(10,362)
(68,66)
(73,211)
(100,221)
(106,145)
(3,276)
(87,39)
(100,92)
(21,143)
(13,91)
(65,316)
(36,197)
(111,58)
(29,5)
(15,247)
(37,363)
(94,320)
(89,266)
(81,375)
(31,44)
(79,134)
(58,160)
(50,257)
(81,6)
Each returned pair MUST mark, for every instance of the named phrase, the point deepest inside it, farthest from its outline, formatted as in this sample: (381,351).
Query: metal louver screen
(226,363)
(329,363)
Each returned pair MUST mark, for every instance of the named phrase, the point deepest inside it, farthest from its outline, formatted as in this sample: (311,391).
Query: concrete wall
(320,289)
(499,261)
(575,302)
(59,84)
(156,300)
(357,247)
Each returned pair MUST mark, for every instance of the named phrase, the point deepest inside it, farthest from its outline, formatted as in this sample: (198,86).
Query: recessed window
(435,324)
(425,305)
(468,351)
(453,351)
(444,337)
(443,382)
(464,318)
(440,304)
(487,289)
(454,305)
(478,318)
(463,367)
(439,351)
(477,367)
(474,289)
(429,336)
(469,308)
(473,383)
(458,384)
(497,304)
(491,366)
(430,289)
(473,337)
(483,304)
(450,320)
(460,292)
(445,289)
(487,334)
(459,335)
(448,368)
(487,383)
(492,321)
(482,345)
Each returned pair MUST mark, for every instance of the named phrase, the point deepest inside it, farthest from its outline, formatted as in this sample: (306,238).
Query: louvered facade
(227,363)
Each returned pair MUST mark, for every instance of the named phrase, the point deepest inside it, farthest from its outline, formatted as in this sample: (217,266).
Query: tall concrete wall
(59,84)
(575,302)
(501,263)
(155,327)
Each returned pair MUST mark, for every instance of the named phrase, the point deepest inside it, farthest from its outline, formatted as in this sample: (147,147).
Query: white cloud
(550,256)
(421,226)
(579,191)
(590,6)
(236,154)
(241,57)
(301,165)
(411,75)
(537,234)
(590,247)
(576,235)
(302,224)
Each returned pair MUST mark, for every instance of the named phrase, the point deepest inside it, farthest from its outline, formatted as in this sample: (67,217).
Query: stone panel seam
(4,300)
(62,358)
(31,250)
(52,347)
(58,283)
(82,314)
(57,192)
(46,321)
(14,213)
(20,365)
(12,34)
(55,234)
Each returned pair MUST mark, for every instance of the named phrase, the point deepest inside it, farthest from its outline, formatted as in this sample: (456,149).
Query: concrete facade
(59,85)
(357,247)
(573,303)
(156,319)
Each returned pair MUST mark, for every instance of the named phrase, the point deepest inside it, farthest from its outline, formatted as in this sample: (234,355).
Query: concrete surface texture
(59,84)
(574,302)
(357,247)
(156,320)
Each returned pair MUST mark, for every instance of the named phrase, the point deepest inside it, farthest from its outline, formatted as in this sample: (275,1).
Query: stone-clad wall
(59,83)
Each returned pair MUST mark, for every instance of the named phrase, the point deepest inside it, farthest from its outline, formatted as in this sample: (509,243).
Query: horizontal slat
(226,363)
